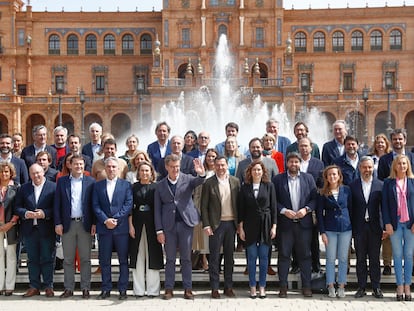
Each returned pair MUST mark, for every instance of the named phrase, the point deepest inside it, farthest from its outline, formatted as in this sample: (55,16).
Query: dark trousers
(368,244)
(41,259)
(315,251)
(106,244)
(223,236)
(298,239)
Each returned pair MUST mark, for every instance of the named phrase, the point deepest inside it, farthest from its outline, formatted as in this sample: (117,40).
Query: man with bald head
(203,140)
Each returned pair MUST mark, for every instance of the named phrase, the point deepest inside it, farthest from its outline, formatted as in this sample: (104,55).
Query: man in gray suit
(219,215)
(175,218)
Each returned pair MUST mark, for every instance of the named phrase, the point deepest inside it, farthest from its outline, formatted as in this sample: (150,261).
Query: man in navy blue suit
(366,226)
(282,142)
(335,147)
(29,153)
(175,218)
(160,148)
(22,175)
(34,205)
(74,222)
(348,162)
(296,195)
(112,202)
(92,148)
(186,161)
(74,143)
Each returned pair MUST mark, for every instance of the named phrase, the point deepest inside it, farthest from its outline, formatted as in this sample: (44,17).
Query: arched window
(300,42)
(109,45)
(319,42)
(72,45)
(222,30)
(127,45)
(357,41)
(395,40)
(376,40)
(146,44)
(54,45)
(90,45)
(338,41)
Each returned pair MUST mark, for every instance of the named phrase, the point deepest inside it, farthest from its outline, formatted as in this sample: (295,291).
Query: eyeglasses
(203,137)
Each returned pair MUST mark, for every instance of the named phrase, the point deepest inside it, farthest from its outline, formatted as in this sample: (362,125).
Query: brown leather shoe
(215,294)
(49,293)
(168,294)
(31,292)
(8,292)
(188,294)
(307,292)
(66,293)
(98,270)
(283,292)
(229,292)
(85,294)
(246,271)
(270,271)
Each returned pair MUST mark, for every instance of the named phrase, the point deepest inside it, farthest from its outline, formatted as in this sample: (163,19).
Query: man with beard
(22,175)
(74,143)
(301,130)
(348,162)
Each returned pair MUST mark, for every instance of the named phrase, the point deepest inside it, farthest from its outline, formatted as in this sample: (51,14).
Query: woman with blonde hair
(232,154)
(139,156)
(398,217)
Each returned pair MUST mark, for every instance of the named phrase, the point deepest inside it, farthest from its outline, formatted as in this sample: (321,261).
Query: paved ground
(294,302)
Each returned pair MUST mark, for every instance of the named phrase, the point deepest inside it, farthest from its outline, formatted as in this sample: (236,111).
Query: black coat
(144,195)
(9,212)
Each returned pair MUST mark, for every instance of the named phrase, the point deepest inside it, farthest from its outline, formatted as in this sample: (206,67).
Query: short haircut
(255,139)
(270,121)
(42,153)
(292,155)
(5,135)
(233,125)
(109,141)
(37,128)
(398,132)
(111,159)
(11,167)
(77,157)
(60,128)
(220,157)
(74,136)
(132,136)
(343,122)
(95,124)
(301,123)
(161,124)
(350,138)
(171,158)
(365,159)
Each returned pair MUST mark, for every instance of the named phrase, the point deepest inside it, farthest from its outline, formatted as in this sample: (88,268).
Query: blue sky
(147,5)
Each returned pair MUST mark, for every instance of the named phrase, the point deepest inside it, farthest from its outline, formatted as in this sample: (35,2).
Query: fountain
(210,109)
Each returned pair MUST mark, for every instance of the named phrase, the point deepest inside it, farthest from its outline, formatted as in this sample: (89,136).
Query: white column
(241,4)
(203,4)
(241,18)
(203,31)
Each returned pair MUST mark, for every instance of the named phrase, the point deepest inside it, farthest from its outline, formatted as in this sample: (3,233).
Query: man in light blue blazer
(175,218)
(112,202)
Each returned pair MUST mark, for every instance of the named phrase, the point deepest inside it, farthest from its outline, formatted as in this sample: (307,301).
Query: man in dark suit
(29,153)
(186,161)
(112,202)
(22,175)
(74,222)
(92,148)
(348,162)
(282,142)
(219,215)
(74,143)
(335,147)
(366,227)
(296,195)
(175,218)
(43,158)
(160,148)
(34,205)
(60,134)
(301,130)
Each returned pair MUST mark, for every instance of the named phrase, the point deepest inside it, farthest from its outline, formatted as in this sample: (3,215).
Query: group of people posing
(182,195)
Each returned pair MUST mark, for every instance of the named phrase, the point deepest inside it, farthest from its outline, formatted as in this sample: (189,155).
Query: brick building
(128,64)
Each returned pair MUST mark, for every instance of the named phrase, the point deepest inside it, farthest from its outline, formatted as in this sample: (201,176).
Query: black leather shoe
(294,270)
(387,270)
(104,295)
(85,294)
(360,293)
(122,295)
(377,293)
(67,293)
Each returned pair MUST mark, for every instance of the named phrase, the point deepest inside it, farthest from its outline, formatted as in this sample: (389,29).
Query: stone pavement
(202,301)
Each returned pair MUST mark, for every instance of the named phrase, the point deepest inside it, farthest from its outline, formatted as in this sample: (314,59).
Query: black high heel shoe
(400,297)
(407,297)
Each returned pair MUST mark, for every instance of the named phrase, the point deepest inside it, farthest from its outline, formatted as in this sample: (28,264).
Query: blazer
(154,153)
(335,215)
(282,143)
(269,163)
(51,174)
(25,201)
(307,198)
(211,201)
(119,208)
(257,214)
(166,203)
(329,152)
(87,150)
(63,203)
(22,174)
(384,165)
(348,171)
(186,166)
(295,148)
(315,168)
(359,206)
(29,157)
(10,213)
(390,203)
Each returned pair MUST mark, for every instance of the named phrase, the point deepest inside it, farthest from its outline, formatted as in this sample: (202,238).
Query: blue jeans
(338,246)
(253,251)
(402,243)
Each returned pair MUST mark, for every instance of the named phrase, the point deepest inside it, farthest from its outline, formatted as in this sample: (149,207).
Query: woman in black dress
(145,252)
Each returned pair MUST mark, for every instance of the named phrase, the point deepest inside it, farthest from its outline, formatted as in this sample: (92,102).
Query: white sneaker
(341,292)
(331,292)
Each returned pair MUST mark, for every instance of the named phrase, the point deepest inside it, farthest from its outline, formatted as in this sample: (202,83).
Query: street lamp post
(365,93)
(59,90)
(140,90)
(82,101)
(388,85)
(304,83)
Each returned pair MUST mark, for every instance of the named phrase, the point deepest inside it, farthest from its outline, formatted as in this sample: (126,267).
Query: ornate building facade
(118,68)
